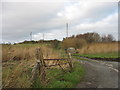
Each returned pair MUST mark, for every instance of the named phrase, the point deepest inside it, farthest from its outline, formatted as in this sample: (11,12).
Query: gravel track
(99,74)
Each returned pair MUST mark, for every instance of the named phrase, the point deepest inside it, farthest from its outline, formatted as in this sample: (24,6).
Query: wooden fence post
(70,61)
(39,68)
(42,67)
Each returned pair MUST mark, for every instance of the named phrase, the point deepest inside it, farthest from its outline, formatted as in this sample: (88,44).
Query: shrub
(80,43)
(73,42)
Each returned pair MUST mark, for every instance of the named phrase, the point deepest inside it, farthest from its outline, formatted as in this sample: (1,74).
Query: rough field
(99,48)
(101,51)
(19,60)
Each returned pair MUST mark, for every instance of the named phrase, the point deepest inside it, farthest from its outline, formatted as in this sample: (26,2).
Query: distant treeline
(40,41)
(76,41)
(94,37)
(54,43)
(80,40)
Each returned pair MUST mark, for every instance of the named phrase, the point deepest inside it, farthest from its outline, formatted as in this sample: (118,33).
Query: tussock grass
(100,48)
(16,74)
(26,52)
(18,61)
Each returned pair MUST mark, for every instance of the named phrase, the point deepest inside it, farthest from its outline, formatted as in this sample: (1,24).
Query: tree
(56,44)
(107,38)
(110,38)
(104,38)
(89,37)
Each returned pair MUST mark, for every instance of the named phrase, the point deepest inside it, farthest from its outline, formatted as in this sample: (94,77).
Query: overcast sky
(19,18)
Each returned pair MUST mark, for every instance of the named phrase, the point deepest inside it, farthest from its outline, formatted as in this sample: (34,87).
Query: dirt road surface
(99,74)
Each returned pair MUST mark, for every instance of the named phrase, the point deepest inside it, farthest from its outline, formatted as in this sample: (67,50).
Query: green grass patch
(60,79)
(101,55)
(77,57)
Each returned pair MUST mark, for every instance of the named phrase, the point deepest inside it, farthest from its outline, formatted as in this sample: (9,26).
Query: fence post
(39,68)
(70,61)
(42,67)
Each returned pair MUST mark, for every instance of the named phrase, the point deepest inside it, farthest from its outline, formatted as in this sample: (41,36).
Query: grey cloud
(21,18)
(18,18)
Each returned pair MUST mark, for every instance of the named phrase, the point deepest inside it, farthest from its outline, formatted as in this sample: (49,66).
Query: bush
(80,43)
(73,42)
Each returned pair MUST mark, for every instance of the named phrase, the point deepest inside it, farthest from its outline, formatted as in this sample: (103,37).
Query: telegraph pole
(43,36)
(67,29)
(31,36)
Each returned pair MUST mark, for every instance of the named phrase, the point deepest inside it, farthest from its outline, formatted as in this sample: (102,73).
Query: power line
(67,29)
(43,36)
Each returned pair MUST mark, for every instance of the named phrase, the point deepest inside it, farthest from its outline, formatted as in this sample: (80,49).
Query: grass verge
(77,57)
(101,55)
(60,79)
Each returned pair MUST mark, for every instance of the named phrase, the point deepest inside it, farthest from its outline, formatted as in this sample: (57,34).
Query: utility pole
(43,36)
(31,36)
(67,29)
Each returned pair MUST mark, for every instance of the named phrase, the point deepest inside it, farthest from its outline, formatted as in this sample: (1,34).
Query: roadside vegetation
(101,55)
(26,51)
(63,79)
(18,62)
(100,50)
(93,45)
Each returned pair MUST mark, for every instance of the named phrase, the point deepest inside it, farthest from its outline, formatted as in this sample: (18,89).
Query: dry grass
(21,52)
(99,48)
(17,74)
(0,52)
(18,61)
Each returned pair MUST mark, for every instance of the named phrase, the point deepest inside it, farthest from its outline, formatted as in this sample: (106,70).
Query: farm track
(99,74)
